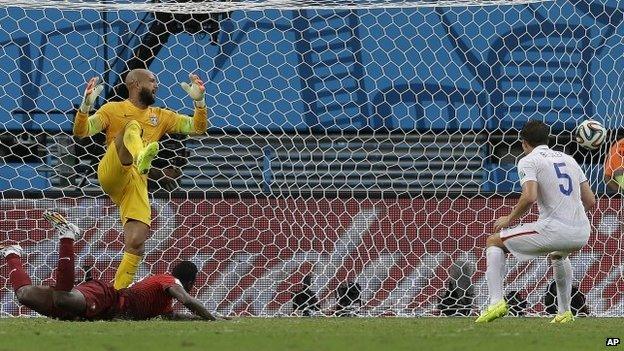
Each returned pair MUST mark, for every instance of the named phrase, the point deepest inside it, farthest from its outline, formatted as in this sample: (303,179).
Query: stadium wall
(399,69)
(254,252)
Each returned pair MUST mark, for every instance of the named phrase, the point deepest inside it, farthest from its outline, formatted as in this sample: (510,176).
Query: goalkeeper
(133,128)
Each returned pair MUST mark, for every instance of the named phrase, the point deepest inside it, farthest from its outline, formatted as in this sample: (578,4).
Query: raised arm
(198,124)
(85,125)
(190,302)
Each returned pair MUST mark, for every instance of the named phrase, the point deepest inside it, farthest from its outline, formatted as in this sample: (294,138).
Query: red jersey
(101,299)
(148,298)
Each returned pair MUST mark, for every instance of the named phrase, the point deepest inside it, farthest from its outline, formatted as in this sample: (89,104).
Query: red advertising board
(253,253)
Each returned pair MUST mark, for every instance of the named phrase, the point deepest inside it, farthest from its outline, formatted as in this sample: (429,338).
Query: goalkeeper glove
(90,95)
(195,90)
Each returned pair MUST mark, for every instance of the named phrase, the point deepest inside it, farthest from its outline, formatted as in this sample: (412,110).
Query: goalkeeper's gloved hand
(90,95)
(196,90)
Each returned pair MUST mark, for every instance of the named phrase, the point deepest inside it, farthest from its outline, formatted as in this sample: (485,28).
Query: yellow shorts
(125,186)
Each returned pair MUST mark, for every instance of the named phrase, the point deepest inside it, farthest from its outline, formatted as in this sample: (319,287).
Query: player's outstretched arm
(190,302)
(189,317)
(83,124)
(181,317)
(199,123)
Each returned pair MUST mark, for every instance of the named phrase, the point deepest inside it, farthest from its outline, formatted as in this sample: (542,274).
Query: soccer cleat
(11,249)
(565,317)
(144,159)
(65,229)
(493,312)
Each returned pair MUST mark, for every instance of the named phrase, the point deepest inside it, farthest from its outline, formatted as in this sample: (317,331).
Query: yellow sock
(132,139)
(126,270)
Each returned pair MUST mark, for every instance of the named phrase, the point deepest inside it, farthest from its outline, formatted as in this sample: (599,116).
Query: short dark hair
(535,133)
(186,273)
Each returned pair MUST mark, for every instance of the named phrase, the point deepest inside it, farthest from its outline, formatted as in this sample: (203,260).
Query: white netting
(201,6)
(372,143)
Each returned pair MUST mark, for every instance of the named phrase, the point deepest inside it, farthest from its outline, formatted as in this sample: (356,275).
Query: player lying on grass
(562,192)
(96,299)
(133,128)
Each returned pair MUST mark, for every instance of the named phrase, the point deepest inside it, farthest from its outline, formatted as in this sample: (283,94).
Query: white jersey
(559,179)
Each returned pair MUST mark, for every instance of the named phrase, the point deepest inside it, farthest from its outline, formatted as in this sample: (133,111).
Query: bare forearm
(181,317)
(521,208)
(197,308)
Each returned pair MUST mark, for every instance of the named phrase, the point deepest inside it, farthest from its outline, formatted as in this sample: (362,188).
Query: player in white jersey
(557,183)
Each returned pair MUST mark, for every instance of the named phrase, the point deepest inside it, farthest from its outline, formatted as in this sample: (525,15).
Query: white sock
(495,272)
(563,278)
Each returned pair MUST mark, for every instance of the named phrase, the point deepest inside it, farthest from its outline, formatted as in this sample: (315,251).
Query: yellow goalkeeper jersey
(112,117)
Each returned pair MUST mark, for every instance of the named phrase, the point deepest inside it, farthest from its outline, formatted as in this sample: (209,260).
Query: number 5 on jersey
(561,174)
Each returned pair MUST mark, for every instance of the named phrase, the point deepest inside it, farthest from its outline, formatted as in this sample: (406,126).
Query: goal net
(359,146)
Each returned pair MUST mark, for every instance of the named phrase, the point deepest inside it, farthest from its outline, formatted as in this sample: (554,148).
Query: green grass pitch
(316,334)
